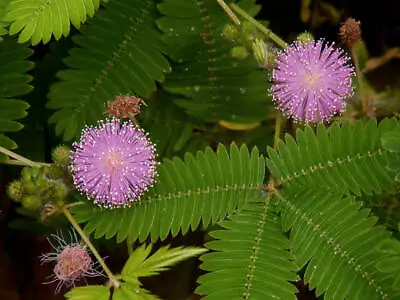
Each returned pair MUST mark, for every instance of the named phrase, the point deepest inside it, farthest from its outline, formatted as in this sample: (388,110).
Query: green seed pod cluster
(247,40)
(39,186)
(60,156)
(305,37)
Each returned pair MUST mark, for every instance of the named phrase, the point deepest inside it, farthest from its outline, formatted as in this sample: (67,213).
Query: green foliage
(391,141)
(129,62)
(170,128)
(214,86)
(3,11)
(14,82)
(90,292)
(39,20)
(346,159)
(128,291)
(391,262)
(205,188)
(337,242)
(140,264)
(251,260)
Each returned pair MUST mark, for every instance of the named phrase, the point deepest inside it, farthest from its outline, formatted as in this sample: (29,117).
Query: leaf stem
(268,33)
(19,160)
(229,12)
(96,254)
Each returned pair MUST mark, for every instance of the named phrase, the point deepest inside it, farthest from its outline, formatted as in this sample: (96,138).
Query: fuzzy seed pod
(15,190)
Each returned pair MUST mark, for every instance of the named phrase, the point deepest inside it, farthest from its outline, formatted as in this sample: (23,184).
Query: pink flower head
(73,262)
(311,81)
(113,163)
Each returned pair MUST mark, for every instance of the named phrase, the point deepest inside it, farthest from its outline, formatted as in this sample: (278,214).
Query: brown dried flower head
(350,32)
(125,107)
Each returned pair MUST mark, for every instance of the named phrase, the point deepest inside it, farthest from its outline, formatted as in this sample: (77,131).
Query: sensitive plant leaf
(38,21)
(336,240)
(200,189)
(346,159)
(129,291)
(90,292)
(3,11)
(208,82)
(140,264)
(250,258)
(129,63)
(391,141)
(14,81)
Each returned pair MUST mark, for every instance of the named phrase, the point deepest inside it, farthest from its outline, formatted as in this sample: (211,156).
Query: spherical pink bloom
(113,163)
(73,262)
(311,81)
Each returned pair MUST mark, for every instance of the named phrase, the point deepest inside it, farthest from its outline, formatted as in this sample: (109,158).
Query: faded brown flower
(125,107)
(350,32)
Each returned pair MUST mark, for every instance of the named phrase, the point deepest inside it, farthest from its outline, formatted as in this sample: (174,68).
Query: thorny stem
(268,33)
(110,275)
(19,160)
(229,12)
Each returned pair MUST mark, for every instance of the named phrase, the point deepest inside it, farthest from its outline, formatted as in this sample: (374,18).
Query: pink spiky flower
(113,163)
(312,81)
(73,261)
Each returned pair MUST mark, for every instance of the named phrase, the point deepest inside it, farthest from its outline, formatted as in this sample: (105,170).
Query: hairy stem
(268,33)
(229,12)
(96,254)
(19,160)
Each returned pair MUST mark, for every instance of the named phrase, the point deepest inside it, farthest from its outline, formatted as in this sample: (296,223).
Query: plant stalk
(229,12)
(356,61)
(110,275)
(19,160)
(268,33)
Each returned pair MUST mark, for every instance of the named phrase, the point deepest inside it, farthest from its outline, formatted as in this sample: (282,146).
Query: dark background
(21,275)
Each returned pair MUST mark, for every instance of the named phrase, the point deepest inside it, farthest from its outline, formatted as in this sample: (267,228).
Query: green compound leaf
(213,85)
(140,264)
(251,260)
(202,188)
(346,159)
(129,291)
(118,53)
(14,81)
(337,241)
(39,20)
(90,292)
(391,141)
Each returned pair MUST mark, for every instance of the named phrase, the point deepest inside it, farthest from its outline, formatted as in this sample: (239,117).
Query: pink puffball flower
(311,81)
(72,262)
(113,163)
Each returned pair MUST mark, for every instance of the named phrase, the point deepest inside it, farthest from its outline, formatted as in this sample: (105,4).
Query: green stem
(278,125)
(22,160)
(129,245)
(229,12)
(268,33)
(359,81)
(277,134)
(96,254)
